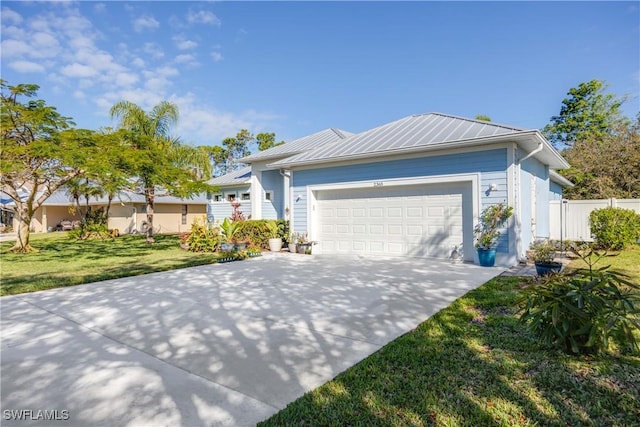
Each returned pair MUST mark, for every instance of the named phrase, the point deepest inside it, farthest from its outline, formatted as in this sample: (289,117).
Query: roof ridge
(453,116)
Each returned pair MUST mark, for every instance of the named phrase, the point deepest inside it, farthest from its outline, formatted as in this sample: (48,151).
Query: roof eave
(559,179)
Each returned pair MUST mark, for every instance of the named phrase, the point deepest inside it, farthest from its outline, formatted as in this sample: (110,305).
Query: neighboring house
(412,187)
(127,212)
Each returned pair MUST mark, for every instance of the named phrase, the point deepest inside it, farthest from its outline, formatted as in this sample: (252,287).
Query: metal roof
(299,145)
(237,177)
(413,132)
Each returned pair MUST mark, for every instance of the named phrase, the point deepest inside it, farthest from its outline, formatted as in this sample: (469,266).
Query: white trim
(256,194)
(271,195)
(472,178)
(515,242)
(291,203)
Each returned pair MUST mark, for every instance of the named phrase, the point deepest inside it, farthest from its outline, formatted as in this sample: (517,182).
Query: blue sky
(295,68)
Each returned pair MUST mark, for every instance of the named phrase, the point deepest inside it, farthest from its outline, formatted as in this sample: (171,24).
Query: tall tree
(605,167)
(483,117)
(40,153)
(236,148)
(160,164)
(266,140)
(587,113)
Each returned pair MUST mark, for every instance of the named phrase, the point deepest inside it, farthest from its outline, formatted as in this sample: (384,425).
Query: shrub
(255,231)
(583,311)
(202,237)
(614,228)
(92,226)
(283,230)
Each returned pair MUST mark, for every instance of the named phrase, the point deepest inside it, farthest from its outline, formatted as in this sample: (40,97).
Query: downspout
(536,151)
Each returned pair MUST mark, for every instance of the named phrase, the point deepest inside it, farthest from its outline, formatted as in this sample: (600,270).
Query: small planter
(240,246)
(226,246)
(275,245)
(292,248)
(547,268)
(303,248)
(487,257)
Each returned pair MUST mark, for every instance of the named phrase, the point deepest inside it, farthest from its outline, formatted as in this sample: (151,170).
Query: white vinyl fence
(569,219)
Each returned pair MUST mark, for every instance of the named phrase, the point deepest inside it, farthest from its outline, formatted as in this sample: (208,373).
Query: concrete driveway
(227,344)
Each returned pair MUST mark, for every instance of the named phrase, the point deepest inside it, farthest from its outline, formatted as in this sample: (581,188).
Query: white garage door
(417,220)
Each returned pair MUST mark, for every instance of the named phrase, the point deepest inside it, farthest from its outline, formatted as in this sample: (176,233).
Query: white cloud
(217,56)
(99,7)
(200,124)
(125,79)
(9,15)
(186,44)
(13,48)
(167,71)
(26,67)
(44,45)
(186,59)
(202,17)
(145,23)
(78,94)
(78,70)
(153,49)
(138,62)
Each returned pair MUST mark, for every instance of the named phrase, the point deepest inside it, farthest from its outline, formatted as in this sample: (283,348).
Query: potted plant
(304,244)
(275,242)
(492,218)
(543,257)
(229,230)
(293,241)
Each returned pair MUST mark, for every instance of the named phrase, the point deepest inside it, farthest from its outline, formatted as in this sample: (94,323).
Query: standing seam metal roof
(237,177)
(299,145)
(420,130)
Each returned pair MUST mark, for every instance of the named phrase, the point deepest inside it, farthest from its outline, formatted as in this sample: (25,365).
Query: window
(245,196)
(231,197)
(268,195)
(217,197)
(184,214)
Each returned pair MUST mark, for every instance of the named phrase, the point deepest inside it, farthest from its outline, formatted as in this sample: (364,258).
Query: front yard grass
(62,261)
(475,364)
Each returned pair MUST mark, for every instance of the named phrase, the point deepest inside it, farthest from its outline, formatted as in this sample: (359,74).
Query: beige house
(127,213)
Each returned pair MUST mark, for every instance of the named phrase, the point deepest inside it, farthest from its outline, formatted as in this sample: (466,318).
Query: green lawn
(475,364)
(62,261)
(626,262)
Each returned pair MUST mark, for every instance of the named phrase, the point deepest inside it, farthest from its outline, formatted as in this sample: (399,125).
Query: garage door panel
(342,228)
(376,229)
(420,220)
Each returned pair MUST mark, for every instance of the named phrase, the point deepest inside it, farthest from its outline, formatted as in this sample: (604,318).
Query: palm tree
(160,163)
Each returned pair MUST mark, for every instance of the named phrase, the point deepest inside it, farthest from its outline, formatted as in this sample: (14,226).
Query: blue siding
(221,210)
(555,191)
(273,181)
(533,168)
(492,164)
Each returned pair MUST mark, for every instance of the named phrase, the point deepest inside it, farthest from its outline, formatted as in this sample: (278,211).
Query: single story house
(127,212)
(412,187)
